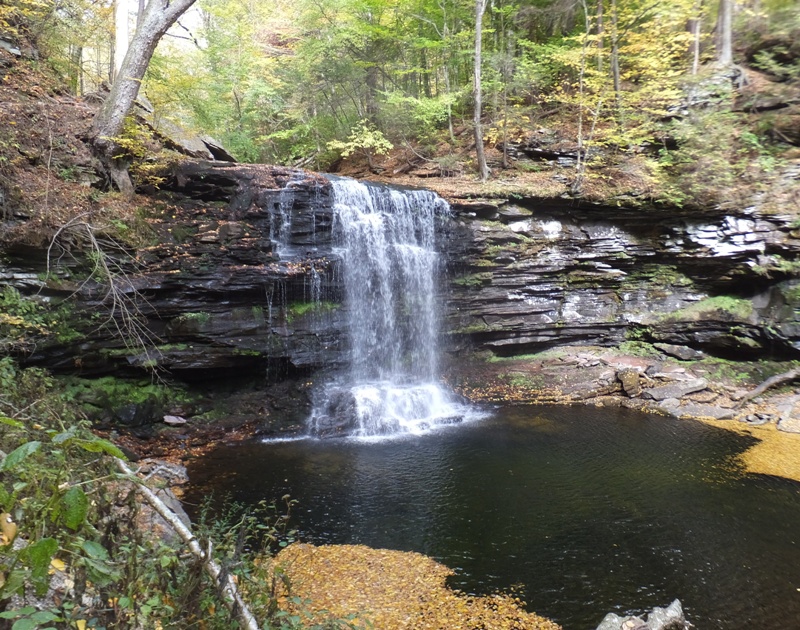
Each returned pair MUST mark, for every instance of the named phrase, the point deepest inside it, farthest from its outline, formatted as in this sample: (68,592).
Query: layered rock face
(231,288)
(540,274)
(243,280)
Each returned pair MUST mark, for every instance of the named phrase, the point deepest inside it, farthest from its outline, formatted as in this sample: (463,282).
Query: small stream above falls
(386,242)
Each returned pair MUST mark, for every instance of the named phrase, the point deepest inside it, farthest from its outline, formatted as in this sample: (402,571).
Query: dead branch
(227,587)
(121,296)
(772,381)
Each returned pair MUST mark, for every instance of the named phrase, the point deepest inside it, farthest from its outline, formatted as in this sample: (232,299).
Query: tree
(483,169)
(725,33)
(158,16)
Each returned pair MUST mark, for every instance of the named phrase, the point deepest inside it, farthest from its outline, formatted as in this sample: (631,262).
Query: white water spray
(386,241)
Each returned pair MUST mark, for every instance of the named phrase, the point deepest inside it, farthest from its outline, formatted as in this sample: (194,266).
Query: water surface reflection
(584,510)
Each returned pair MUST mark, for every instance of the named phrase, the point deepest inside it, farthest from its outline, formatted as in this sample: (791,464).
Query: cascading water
(389,265)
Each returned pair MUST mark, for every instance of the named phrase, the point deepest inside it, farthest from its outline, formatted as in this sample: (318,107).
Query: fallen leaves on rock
(391,590)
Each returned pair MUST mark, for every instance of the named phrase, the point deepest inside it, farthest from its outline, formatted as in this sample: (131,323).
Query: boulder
(629,378)
(669,618)
(611,621)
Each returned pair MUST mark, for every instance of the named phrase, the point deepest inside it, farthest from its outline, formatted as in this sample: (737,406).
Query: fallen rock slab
(676,390)
(684,353)
(703,411)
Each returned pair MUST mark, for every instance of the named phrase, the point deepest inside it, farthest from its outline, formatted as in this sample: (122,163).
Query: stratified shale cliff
(242,281)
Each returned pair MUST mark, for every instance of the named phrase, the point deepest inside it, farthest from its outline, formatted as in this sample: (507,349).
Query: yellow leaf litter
(776,452)
(391,590)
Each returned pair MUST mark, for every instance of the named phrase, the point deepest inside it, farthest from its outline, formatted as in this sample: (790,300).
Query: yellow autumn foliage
(391,590)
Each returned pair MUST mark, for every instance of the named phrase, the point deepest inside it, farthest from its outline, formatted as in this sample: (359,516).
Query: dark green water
(585,510)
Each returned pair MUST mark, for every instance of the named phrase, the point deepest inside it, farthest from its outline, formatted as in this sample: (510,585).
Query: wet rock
(676,390)
(340,416)
(627,363)
(513,213)
(585,275)
(10,48)
(630,382)
(669,618)
(702,411)
(614,622)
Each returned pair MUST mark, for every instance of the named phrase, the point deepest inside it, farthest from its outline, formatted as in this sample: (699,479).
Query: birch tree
(477,93)
(158,16)
(725,33)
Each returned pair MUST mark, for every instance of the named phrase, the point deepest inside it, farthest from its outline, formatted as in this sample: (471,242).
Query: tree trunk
(158,17)
(483,169)
(694,48)
(725,33)
(615,52)
(225,583)
(600,35)
(371,105)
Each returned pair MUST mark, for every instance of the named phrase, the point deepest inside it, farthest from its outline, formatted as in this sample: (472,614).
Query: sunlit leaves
(19,454)
(399,590)
(76,507)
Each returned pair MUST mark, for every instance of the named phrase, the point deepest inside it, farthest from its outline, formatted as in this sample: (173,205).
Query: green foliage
(301,309)
(52,457)
(721,370)
(717,157)
(198,319)
(740,309)
(26,321)
(474,279)
(100,396)
(364,138)
(523,380)
(777,265)
(639,349)
(136,145)
(76,518)
(19,17)
(422,118)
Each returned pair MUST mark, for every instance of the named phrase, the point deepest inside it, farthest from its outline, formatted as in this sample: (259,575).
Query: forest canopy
(308,82)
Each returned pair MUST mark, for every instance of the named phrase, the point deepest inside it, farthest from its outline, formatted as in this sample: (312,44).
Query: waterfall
(389,266)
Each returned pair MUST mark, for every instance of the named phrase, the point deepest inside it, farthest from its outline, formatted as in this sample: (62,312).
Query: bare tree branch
(227,586)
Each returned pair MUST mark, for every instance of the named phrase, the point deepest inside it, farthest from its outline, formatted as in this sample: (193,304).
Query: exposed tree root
(772,381)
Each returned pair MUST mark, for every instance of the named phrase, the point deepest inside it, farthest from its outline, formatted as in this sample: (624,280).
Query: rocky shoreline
(703,389)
